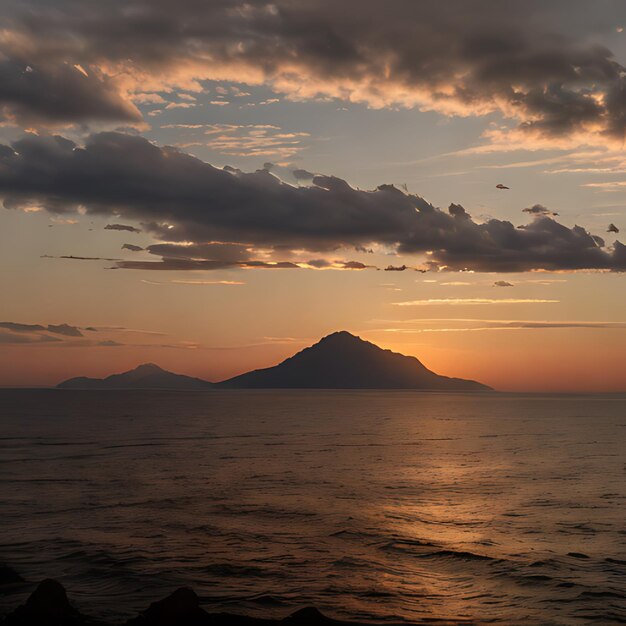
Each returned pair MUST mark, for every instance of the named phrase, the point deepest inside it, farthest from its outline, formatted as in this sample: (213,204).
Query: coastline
(49,605)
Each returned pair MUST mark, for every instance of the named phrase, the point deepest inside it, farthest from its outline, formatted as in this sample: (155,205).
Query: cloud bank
(538,62)
(179,198)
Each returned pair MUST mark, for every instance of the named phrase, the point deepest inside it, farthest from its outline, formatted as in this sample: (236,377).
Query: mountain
(147,376)
(339,361)
(343,361)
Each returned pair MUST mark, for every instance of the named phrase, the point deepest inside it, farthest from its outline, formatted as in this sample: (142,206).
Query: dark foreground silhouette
(48,605)
(339,361)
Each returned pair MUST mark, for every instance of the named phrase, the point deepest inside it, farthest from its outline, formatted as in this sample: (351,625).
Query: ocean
(370,505)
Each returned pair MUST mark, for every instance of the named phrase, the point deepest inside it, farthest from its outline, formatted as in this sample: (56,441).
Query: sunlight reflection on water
(369,505)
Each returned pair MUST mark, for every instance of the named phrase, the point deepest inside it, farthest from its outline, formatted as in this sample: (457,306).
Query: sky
(212,186)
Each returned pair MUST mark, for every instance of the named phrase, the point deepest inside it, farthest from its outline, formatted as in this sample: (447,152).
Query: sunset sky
(214,185)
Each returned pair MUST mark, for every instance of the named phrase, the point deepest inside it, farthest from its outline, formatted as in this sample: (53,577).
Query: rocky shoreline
(49,605)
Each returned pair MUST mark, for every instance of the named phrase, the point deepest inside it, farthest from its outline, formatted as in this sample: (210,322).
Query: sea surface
(371,505)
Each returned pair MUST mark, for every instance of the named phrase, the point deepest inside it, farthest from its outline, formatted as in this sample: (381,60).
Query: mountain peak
(342,336)
(342,360)
(144,376)
(148,368)
(339,360)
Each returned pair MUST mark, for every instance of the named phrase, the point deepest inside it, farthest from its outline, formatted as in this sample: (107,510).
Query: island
(340,360)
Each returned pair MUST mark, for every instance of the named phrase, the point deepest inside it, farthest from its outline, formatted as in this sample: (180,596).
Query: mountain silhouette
(146,376)
(338,361)
(343,361)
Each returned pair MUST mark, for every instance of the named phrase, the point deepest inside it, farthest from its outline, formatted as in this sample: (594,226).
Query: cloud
(213,251)
(301,174)
(352,265)
(67,336)
(73,257)
(39,90)
(180,198)
(607,186)
(132,247)
(22,328)
(396,268)
(479,325)
(122,329)
(208,282)
(254,140)
(16,333)
(130,229)
(538,63)
(191,265)
(59,329)
(544,324)
(539,209)
(203,256)
(473,301)
(18,339)
(502,283)
(323,264)
(64,329)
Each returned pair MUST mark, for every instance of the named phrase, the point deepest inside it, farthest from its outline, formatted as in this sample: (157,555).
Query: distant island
(146,376)
(338,361)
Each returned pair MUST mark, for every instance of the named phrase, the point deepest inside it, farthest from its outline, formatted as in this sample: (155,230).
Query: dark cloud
(215,251)
(64,329)
(396,268)
(485,325)
(130,229)
(58,329)
(502,283)
(302,175)
(545,324)
(16,338)
(203,256)
(78,258)
(22,328)
(180,198)
(457,211)
(174,264)
(537,61)
(191,264)
(352,265)
(539,209)
(337,264)
(34,89)
(132,247)
(319,263)
(280,265)
(29,334)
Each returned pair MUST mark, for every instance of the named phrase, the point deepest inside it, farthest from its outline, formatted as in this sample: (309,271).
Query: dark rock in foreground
(183,607)
(8,576)
(344,361)
(48,606)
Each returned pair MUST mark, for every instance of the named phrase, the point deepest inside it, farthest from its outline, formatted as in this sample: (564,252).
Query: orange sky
(149,186)
(557,339)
